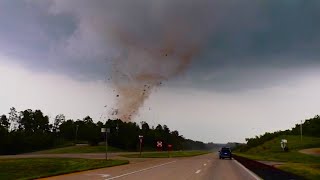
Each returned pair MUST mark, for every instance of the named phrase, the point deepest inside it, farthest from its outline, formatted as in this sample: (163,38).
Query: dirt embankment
(312,151)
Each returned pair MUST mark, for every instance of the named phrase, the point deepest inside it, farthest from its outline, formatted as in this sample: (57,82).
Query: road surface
(203,167)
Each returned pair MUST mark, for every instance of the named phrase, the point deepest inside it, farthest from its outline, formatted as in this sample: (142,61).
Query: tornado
(147,41)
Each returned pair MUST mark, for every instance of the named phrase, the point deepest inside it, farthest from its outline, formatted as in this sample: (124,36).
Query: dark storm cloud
(70,35)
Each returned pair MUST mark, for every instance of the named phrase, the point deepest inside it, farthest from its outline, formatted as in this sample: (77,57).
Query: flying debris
(115,112)
(143,65)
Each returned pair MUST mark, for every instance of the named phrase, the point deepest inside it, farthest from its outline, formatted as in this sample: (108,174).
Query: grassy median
(43,167)
(309,171)
(166,154)
(79,149)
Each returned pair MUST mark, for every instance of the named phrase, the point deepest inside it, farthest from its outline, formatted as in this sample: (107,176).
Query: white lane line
(204,164)
(145,169)
(197,172)
(104,175)
(247,170)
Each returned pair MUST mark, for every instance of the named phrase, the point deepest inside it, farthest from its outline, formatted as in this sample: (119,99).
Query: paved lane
(203,167)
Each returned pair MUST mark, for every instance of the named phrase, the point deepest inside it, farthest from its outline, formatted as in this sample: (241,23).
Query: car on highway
(225,152)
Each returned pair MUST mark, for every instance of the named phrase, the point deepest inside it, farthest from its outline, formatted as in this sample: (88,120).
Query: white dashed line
(197,172)
(104,175)
(145,169)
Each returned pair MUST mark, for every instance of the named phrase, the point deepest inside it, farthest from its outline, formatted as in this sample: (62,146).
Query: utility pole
(140,144)
(107,145)
(301,131)
(77,126)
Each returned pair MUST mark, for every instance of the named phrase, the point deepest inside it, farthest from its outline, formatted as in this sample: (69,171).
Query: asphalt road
(203,167)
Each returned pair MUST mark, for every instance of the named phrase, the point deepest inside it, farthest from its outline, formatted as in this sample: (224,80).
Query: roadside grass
(293,157)
(33,168)
(298,163)
(166,154)
(309,171)
(271,150)
(294,143)
(79,149)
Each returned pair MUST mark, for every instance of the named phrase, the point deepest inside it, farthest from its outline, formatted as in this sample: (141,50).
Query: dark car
(225,153)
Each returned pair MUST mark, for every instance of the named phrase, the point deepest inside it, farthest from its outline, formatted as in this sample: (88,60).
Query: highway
(204,167)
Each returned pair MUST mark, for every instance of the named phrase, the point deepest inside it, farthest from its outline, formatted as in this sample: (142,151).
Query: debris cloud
(150,42)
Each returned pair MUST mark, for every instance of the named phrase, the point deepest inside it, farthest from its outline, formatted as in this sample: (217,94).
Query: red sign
(159,144)
(169,147)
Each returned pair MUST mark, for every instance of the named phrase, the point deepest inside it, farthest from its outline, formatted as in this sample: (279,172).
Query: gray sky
(256,70)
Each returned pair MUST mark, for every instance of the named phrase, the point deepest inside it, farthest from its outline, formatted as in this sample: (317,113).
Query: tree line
(30,130)
(311,127)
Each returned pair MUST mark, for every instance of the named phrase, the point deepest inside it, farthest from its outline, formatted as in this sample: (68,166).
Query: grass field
(166,154)
(309,171)
(79,149)
(295,162)
(38,167)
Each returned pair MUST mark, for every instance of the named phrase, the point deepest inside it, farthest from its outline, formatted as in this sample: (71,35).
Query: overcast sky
(257,69)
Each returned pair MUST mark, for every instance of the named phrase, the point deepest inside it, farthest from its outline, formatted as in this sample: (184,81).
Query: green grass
(43,167)
(309,171)
(79,149)
(298,163)
(271,150)
(294,143)
(166,154)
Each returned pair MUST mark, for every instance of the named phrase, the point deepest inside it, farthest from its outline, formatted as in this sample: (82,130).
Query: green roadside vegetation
(295,162)
(30,131)
(266,147)
(33,168)
(166,154)
(309,171)
(79,149)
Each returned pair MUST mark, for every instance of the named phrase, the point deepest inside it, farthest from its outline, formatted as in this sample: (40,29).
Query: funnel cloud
(151,42)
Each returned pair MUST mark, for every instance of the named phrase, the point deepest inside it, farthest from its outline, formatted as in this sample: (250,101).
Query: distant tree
(13,119)
(58,120)
(166,129)
(41,123)
(159,127)
(26,121)
(32,122)
(4,122)
(87,119)
(145,127)
(67,129)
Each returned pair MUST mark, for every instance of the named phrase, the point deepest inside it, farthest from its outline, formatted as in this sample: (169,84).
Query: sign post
(301,131)
(140,139)
(169,149)
(106,131)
